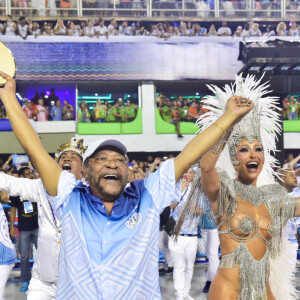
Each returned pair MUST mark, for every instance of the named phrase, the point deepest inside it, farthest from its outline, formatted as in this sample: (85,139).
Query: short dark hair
(22,171)
(14,171)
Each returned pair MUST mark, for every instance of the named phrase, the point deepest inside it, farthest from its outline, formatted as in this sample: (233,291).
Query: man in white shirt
(101,29)
(113,27)
(45,268)
(224,30)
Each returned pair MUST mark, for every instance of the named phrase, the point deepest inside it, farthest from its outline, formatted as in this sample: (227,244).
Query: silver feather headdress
(262,123)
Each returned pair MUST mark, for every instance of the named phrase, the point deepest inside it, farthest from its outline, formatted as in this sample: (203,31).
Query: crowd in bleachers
(43,107)
(98,28)
(103,111)
(180,108)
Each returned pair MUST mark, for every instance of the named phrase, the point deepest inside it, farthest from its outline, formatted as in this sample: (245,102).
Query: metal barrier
(140,9)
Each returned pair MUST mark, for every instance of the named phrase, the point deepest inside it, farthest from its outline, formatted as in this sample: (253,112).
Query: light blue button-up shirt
(112,257)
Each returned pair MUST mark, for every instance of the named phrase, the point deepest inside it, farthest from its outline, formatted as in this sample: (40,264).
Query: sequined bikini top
(243,226)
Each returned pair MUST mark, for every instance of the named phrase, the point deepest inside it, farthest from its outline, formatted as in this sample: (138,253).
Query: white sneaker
(188,297)
(180,298)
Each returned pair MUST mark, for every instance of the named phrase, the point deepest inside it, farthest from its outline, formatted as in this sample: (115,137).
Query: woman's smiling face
(251,160)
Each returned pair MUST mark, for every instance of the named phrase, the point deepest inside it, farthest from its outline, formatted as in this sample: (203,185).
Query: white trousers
(41,290)
(4,274)
(212,242)
(164,248)
(183,254)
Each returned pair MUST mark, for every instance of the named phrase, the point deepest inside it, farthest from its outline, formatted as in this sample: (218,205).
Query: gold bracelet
(217,124)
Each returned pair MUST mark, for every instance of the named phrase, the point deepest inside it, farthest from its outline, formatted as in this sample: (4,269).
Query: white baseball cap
(92,147)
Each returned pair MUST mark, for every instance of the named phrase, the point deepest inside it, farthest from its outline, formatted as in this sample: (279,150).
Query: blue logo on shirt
(134,220)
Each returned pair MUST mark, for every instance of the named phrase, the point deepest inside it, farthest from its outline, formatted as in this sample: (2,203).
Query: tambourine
(7,63)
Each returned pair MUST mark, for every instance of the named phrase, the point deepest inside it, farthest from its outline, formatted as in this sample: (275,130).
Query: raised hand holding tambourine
(7,63)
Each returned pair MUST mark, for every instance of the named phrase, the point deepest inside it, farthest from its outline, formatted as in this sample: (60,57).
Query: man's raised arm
(42,161)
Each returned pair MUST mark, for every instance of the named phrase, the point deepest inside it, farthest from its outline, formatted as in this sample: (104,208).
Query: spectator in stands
(246,30)
(154,30)
(41,111)
(189,27)
(28,109)
(281,29)
(238,32)
(28,229)
(130,110)
(183,111)
(67,111)
(161,30)
(202,109)
(176,31)
(47,29)
(60,28)
(101,29)
(56,111)
(83,114)
(121,111)
(166,111)
(113,28)
(193,112)
(126,29)
(184,30)
(270,31)
(255,31)
(285,108)
(100,112)
(74,30)
(198,30)
(82,26)
(89,30)
(212,30)
(169,114)
(10,26)
(35,30)
(294,30)
(224,30)
(293,108)
(112,113)
(139,30)
(22,28)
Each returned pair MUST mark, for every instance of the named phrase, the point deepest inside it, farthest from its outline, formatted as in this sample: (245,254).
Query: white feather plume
(269,120)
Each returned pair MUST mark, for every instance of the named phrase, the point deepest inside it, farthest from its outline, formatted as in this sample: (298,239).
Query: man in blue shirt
(56,111)
(109,241)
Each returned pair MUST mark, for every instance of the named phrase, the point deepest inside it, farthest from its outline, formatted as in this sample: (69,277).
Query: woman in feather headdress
(238,178)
